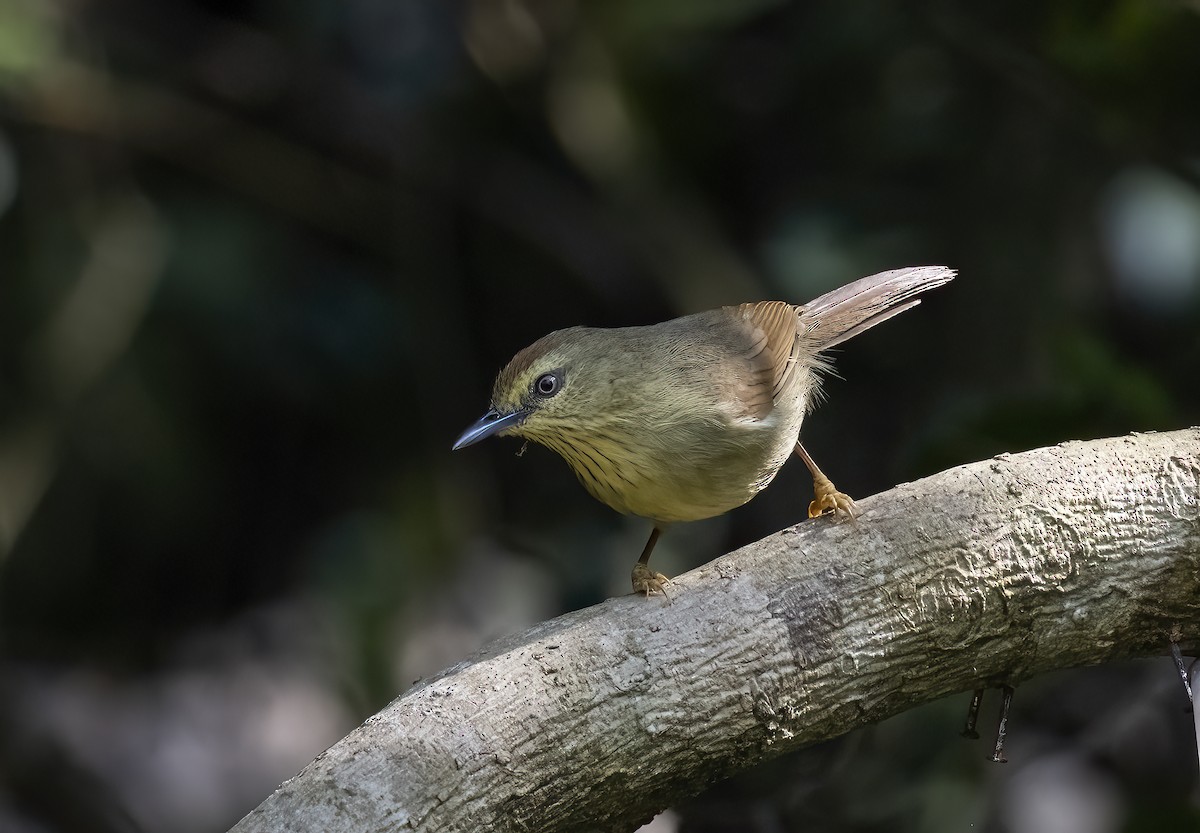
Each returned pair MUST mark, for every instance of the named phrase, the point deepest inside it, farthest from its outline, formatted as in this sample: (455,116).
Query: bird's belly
(696,475)
(703,495)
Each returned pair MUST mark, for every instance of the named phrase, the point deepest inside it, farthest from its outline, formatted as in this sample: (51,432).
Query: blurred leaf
(28,39)
(668,17)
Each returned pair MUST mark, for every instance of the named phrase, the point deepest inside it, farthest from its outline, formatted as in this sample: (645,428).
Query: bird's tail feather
(845,312)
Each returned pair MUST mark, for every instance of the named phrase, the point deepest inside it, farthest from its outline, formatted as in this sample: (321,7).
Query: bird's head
(542,393)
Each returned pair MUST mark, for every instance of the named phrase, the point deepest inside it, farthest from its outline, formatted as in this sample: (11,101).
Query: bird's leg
(645,580)
(829,499)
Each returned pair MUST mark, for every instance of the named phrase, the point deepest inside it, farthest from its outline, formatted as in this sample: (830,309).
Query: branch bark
(986,573)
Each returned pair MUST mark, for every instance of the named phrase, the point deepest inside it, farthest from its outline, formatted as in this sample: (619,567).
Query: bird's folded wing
(773,330)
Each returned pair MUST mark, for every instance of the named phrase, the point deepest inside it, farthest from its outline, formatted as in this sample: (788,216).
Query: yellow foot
(831,501)
(646,581)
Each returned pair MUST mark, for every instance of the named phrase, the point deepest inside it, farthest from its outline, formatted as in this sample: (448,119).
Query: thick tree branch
(986,573)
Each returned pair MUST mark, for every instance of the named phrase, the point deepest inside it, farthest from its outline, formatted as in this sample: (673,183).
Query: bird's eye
(547,384)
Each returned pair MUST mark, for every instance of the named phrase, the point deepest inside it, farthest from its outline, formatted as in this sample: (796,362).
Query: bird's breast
(678,469)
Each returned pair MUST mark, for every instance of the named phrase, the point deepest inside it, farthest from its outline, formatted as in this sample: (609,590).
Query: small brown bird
(690,418)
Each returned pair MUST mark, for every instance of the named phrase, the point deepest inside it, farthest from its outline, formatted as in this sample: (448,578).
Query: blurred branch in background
(259,263)
(152,119)
(89,332)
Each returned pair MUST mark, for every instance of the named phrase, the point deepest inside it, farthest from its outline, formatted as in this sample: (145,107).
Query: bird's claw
(648,582)
(831,501)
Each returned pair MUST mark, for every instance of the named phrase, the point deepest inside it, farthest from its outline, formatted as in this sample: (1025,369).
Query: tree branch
(987,573)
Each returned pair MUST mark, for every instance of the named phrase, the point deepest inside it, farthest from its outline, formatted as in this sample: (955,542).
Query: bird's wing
(773,329)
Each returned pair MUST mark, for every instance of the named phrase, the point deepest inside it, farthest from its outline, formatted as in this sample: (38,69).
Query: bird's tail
(844,313)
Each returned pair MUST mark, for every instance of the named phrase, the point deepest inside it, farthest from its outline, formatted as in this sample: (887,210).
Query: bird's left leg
(646,580)
(829,499)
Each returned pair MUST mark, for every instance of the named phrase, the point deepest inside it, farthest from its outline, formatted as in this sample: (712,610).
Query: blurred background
(259,262)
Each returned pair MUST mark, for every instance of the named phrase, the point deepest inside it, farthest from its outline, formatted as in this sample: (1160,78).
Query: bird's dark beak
(493,422)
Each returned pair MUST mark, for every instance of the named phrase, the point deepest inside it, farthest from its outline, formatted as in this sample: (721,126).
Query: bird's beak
(493,422)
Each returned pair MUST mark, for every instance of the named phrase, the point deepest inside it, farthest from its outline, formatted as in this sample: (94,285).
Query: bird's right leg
(829,499)
(645,580)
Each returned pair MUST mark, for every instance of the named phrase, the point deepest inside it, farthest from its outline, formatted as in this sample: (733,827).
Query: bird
(692,417)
